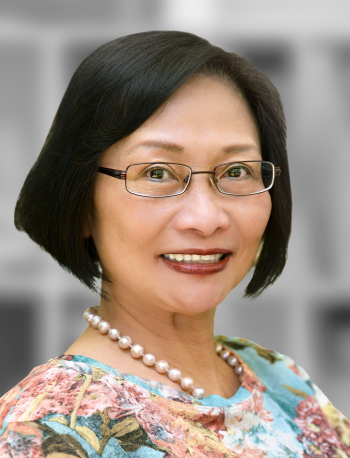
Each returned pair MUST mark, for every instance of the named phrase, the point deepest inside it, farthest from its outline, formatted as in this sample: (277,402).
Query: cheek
(124,226)
(254,218)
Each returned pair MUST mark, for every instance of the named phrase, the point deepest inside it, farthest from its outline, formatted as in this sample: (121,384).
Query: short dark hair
(112,93)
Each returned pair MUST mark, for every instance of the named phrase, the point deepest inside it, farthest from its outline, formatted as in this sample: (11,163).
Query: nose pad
(213,181)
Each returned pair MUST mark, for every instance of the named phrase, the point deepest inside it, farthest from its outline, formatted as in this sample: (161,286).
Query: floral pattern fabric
(74,406)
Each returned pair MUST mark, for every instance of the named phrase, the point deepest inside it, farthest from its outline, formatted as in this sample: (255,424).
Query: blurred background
(304,48)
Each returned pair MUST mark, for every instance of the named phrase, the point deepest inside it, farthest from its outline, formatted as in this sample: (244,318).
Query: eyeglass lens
(168,179)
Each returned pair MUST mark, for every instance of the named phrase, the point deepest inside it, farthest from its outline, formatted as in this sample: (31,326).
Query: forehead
(204,114)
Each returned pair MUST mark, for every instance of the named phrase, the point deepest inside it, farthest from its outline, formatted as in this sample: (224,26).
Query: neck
(175,337)
(186,342)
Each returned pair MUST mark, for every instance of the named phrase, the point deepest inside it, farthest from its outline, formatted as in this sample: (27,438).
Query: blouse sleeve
(338,421)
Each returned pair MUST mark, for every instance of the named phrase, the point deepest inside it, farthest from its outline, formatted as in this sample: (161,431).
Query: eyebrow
(240,148)
(173,147)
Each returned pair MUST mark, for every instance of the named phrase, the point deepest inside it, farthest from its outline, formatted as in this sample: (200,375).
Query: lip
(199,269)
(201,251)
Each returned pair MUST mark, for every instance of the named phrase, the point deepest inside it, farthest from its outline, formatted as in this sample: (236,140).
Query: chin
(194,294)
(198,301)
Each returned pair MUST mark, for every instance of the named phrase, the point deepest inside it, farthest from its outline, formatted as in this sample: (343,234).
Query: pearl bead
(125,342)
(225,354)
(136,351)
(95,321)
(88,317)
(174,375)
(186,383)
(239,370)
(162,366)
(232,361)
(104,326)
(149,359)
(198,393)
(113,334)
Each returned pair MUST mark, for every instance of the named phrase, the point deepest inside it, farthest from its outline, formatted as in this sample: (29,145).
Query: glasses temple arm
(120,174)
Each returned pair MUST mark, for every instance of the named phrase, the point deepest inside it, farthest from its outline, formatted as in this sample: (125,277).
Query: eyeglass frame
(122,175)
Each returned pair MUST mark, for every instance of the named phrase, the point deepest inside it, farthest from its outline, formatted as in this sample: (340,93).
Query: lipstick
(198,268)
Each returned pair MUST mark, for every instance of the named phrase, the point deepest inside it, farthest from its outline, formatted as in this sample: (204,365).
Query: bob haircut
(112,93)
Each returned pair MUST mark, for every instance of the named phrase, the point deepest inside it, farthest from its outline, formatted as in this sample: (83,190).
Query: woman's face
(205,123)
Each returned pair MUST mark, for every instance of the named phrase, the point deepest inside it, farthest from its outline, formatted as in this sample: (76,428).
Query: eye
(237,171)
(159,173)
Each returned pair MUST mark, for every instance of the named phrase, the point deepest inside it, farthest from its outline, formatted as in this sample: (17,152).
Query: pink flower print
(55,392)
(7,402)
(250,451)
(254,404)
(317,434)
(187,430)
(339,423)
(182,434)
(292,366)
(21,440)
(213,420)
(251,381)
(57,387)
(122,398)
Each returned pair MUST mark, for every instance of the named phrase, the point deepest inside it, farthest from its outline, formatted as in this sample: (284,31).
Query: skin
(168,312)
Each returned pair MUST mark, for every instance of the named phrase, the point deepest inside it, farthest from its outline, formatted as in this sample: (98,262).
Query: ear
(258,254)
(86,228)
(86,231)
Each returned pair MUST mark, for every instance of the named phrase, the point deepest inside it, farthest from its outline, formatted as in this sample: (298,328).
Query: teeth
(179,257)
(194,258)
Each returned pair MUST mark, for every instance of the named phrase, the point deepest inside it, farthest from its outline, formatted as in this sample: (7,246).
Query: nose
(203,208)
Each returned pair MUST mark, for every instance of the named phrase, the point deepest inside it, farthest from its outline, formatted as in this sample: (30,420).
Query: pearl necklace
(161,366)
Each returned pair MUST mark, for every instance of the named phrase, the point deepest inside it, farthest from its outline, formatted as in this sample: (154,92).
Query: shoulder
(267,364)
(278,372)
(69,407)
(52,388)
(19,403)
(281,379)
(55,409)
(289,386)
(17,407)
(32,385)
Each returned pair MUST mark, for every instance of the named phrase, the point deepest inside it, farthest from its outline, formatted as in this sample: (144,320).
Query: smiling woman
(165,174)
(201,222)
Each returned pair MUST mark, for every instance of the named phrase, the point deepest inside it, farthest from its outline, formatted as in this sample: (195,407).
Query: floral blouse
(74,406)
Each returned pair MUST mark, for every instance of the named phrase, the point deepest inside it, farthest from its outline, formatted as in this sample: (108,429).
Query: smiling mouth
(195,258)
(193,263)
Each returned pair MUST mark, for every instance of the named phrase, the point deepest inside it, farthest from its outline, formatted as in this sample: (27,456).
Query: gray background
(304,47)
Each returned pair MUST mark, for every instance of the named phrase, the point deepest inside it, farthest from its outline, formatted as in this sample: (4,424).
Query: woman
(165,174)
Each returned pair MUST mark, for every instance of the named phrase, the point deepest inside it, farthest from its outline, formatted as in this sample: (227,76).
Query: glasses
(165,179)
